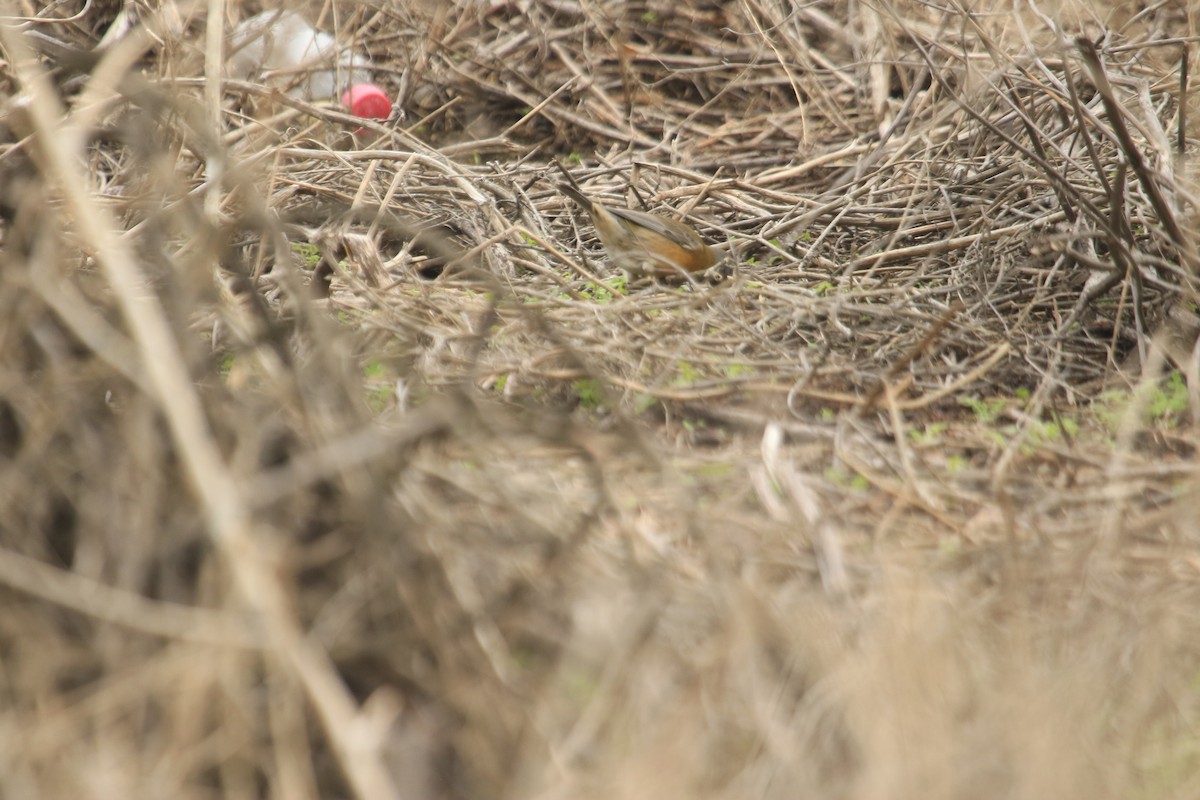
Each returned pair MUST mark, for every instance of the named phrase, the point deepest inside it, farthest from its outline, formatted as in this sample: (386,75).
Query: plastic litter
(368,101)
(282,50)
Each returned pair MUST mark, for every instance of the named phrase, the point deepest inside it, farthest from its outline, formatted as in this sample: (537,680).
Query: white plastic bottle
(281,49)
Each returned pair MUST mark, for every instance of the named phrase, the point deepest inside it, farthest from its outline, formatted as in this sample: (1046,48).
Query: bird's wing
(676,232)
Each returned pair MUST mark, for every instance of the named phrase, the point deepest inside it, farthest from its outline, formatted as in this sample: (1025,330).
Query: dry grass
(345,466)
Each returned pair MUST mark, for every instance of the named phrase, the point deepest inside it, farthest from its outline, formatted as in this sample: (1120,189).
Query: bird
(640,243)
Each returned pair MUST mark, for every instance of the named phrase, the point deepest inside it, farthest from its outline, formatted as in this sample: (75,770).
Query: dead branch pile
(342,463)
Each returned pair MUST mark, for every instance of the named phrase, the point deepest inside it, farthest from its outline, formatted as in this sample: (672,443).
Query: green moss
(309,253)
(642,402)
(688,375)
(590,393)
(986,411)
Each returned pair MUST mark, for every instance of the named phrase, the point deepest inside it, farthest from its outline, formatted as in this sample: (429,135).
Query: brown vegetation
(344,465)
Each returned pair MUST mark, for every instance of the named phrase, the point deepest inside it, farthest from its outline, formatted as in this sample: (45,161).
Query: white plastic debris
(279,48)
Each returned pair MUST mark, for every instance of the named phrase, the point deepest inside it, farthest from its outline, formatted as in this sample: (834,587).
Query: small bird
(643,244)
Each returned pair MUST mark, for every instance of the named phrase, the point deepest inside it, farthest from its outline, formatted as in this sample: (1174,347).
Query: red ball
(368,101)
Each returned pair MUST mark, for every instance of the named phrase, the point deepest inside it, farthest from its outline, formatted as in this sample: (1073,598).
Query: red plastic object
(368,101)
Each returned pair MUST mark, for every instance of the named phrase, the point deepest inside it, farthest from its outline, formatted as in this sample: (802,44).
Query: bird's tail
(571,188)
(576,195)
